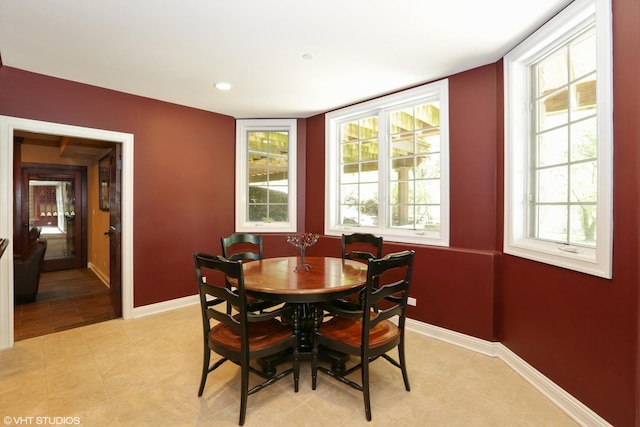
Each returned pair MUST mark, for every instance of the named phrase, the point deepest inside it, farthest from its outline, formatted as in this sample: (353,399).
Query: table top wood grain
(328,278)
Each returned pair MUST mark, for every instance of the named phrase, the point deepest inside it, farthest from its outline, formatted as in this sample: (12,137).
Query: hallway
(66,299)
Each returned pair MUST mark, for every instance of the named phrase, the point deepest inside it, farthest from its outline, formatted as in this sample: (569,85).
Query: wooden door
(115,228)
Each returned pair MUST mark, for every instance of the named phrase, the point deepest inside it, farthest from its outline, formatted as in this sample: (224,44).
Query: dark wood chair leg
(365,389)
(205,368)
(403,366)
(244,394)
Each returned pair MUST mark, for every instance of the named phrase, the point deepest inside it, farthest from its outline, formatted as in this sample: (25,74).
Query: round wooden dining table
(325,279)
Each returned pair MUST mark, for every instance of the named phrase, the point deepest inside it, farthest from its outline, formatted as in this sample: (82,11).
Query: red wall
(183,166)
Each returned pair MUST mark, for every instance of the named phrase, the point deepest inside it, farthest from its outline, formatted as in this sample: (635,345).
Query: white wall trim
(7,126)
(478,345)
(569,404)
(566,402)
(160,307)
(104,279)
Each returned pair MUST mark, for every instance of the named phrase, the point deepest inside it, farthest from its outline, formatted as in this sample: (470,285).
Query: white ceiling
(175,50)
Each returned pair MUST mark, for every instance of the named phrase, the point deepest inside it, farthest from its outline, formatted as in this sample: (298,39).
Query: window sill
(581,259)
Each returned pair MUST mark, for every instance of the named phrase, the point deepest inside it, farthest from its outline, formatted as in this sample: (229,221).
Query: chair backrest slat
(388,281)
(353,243)
(242,246)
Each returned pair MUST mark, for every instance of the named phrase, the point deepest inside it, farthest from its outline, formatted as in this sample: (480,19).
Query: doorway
(52,199)
(53,207)
(8,173)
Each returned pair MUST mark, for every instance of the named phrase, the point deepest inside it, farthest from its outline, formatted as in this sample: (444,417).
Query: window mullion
(532,160)
(383,168)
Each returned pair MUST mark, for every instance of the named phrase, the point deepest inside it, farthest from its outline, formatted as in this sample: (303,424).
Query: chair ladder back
(361,240)
(220,293)
(211,312)
(395,293)
(245,247)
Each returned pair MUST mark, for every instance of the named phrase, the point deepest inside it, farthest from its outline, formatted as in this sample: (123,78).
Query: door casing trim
(7,126)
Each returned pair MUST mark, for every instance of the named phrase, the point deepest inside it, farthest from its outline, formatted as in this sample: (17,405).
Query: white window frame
(433,91)
(243,225)
(595,261)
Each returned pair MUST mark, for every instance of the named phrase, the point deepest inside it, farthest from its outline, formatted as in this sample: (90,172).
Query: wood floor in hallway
(66,299)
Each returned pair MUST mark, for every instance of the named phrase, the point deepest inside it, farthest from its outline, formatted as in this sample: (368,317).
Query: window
(265,162)
(559,141)
(387,168)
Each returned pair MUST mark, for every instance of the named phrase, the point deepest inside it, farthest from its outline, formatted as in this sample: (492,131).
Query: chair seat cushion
(349,331)
(261,335)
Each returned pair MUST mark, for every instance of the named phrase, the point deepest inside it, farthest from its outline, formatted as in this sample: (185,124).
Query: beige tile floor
(145,372)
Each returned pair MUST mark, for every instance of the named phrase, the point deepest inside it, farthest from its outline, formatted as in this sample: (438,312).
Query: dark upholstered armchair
(34,234)
(26,272)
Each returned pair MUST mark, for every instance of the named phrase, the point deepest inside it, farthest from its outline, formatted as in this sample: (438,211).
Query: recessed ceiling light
(307,56)
(223,86)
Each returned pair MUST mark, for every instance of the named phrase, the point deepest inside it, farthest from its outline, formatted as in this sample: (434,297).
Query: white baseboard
(567,403)
(103,278)
(478,345)
(147,310)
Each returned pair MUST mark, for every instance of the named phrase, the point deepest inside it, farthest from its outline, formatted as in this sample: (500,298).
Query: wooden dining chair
(242,246)
(241,337)
(369,333)
(245,247)
(359,247)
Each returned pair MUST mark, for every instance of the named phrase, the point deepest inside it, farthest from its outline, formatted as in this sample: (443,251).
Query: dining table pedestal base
(304,319)
(337,360)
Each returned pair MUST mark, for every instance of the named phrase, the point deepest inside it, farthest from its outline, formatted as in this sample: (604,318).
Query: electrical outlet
(411,301)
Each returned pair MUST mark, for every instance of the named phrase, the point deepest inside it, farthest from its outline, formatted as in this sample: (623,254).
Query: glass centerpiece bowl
(302,241)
